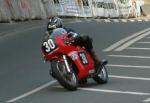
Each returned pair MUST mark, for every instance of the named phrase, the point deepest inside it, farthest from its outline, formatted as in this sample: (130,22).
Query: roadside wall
(20,10)
(146,7)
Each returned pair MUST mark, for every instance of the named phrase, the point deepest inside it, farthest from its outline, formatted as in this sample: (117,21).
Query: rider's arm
(77,39)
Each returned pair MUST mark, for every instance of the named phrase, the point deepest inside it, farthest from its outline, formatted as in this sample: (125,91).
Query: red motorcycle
(70,63)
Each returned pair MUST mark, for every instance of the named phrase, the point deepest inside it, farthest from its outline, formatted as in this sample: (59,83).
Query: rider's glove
(72,34)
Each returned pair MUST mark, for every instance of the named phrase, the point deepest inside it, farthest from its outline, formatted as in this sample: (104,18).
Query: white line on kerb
(132,20)
(140,20)
(107,20)
(31,92)
(115,45)
(146,20)
(124,20)
(132,41)
(128,66)
(116,20)
(130,56)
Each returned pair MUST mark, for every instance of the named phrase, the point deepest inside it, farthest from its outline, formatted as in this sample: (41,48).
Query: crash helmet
(54,22)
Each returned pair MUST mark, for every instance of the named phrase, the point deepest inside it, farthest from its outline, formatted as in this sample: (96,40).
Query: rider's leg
(97,61)
(89,47)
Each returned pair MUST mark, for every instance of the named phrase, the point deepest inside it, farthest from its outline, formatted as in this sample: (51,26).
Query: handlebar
(68,40)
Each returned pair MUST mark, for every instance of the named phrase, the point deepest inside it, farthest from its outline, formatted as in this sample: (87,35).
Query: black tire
(102,77)
(83,81)
(68,80)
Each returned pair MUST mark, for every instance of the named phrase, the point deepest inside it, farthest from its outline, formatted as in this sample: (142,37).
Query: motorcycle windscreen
(58,31)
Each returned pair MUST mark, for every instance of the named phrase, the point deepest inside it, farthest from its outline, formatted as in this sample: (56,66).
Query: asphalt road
(24,78)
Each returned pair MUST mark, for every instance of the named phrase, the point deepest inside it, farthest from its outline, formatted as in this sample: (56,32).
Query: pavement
(146,9)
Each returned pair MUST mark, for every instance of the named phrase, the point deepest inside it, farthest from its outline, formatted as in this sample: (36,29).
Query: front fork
(66,63)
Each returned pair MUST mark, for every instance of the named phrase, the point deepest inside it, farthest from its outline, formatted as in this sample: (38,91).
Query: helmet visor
(51,26)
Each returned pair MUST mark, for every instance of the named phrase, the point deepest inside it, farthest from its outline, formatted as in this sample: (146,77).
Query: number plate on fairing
(83,58)
(49,45)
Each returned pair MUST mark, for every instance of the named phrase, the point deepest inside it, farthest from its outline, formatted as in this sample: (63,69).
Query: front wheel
(67,80)
(102,77)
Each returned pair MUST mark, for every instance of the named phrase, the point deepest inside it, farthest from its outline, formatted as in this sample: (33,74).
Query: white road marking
(130,56)
(132,41)
(87,89)
(115,91)
(5,32)
(127,77)
(25,28)
(111,91)
(144,42)
(128,66)
(20,31)
(115,45)
(135,48)
(31,92)
(146,100)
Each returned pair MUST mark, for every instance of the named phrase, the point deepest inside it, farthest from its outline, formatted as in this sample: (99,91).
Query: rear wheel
(102,77)
(67,80)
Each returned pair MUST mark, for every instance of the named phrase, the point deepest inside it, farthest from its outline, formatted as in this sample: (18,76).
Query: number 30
(49,45)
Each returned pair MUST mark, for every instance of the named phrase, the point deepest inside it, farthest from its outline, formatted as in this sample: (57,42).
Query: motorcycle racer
(83,41)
